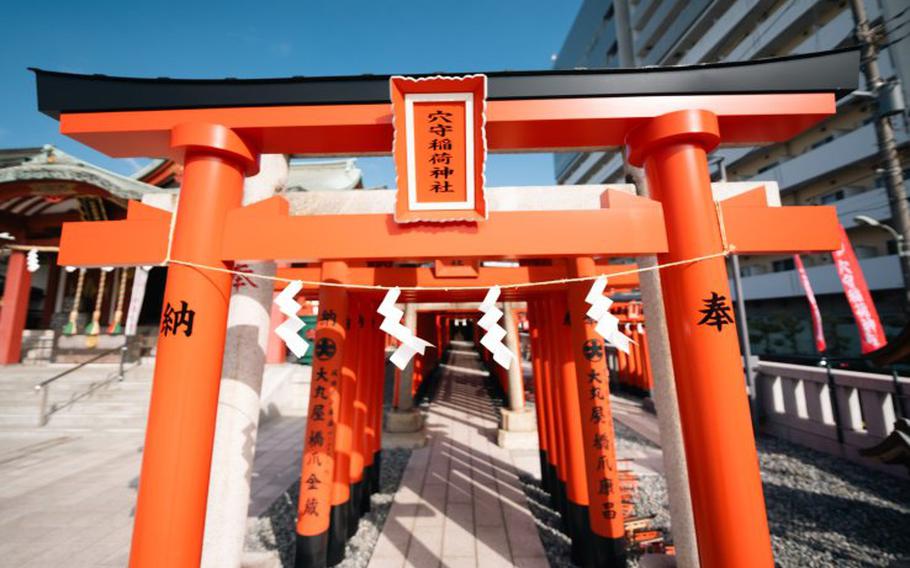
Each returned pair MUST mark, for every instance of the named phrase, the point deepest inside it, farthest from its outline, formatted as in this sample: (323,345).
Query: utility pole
(741,320)
(894,176)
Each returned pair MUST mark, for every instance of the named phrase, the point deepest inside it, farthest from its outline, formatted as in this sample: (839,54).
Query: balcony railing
(831,410)
(881,272)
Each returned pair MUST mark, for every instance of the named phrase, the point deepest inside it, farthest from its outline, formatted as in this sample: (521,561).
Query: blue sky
(273,39)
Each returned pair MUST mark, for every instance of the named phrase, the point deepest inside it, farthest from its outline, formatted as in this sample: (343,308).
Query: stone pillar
(248,334)
(519,428)
(516,383)
(405,418)
(15,308)
(276,351)
(660,365)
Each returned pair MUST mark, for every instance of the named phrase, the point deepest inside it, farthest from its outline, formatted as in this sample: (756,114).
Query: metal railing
(44,413)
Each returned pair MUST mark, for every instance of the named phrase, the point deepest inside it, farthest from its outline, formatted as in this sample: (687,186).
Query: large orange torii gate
(218,129)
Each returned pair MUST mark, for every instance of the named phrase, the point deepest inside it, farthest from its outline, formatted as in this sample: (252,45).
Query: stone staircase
(83,402)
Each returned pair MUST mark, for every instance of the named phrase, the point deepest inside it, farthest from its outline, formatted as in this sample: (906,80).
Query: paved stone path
(460,501)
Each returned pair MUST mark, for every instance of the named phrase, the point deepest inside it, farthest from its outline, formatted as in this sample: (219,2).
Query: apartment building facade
(835,163)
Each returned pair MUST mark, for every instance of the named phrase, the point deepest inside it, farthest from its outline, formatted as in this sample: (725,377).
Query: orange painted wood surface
(513,125)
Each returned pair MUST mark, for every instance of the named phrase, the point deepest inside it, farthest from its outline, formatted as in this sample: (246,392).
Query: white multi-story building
(834,163)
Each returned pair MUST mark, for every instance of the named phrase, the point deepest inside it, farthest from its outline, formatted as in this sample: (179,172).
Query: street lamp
(898,238)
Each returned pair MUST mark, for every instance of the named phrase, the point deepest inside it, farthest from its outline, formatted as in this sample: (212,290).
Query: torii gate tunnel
(666,119)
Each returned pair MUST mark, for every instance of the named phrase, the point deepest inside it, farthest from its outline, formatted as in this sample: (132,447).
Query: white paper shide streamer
(495,333)
(289,330)
(31,261)
(607,325)
(391,324)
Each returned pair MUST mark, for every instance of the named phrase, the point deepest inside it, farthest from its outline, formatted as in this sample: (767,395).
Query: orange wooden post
(418,375)
(339,530)
(317,472)
(727,499)
(540,391)
(645,356)
(554,371)
(380,406)
(577,501)
(370,378)
(593,380)
(358,321)
(635,352)
(15,308)
(170,510)
(548,331)
(377,398)
(622,365)
(541,322)
(438,320)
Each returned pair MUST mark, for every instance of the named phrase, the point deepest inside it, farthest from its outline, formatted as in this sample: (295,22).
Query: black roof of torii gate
(830,71)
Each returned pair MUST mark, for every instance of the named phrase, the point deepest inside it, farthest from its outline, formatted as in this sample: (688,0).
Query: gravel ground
(274,530)
(823,511)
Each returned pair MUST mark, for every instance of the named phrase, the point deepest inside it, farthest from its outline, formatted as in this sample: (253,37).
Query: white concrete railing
(797,405)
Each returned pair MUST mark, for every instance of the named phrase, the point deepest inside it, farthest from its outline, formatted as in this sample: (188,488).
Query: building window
(752,270)
(770,166)
(821,142)
(865,251)
(783,265)
(831,197)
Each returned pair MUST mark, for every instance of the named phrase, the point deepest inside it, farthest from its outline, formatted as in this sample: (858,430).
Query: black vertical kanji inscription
(316,439)
(173,320)
(325,349)
(312,482)
(716,312)
(310,507)
(593,350)
(440,116)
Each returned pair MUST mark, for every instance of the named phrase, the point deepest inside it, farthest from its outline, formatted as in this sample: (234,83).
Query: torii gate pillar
(174,480)
(15,308)
(729,509)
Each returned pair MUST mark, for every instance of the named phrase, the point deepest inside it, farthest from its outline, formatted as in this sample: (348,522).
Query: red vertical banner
(871,334)
(820,345)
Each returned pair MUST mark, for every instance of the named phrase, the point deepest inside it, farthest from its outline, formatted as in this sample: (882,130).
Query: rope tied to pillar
(516,285)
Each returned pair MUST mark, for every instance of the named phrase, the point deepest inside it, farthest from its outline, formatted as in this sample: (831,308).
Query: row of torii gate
(666,119)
